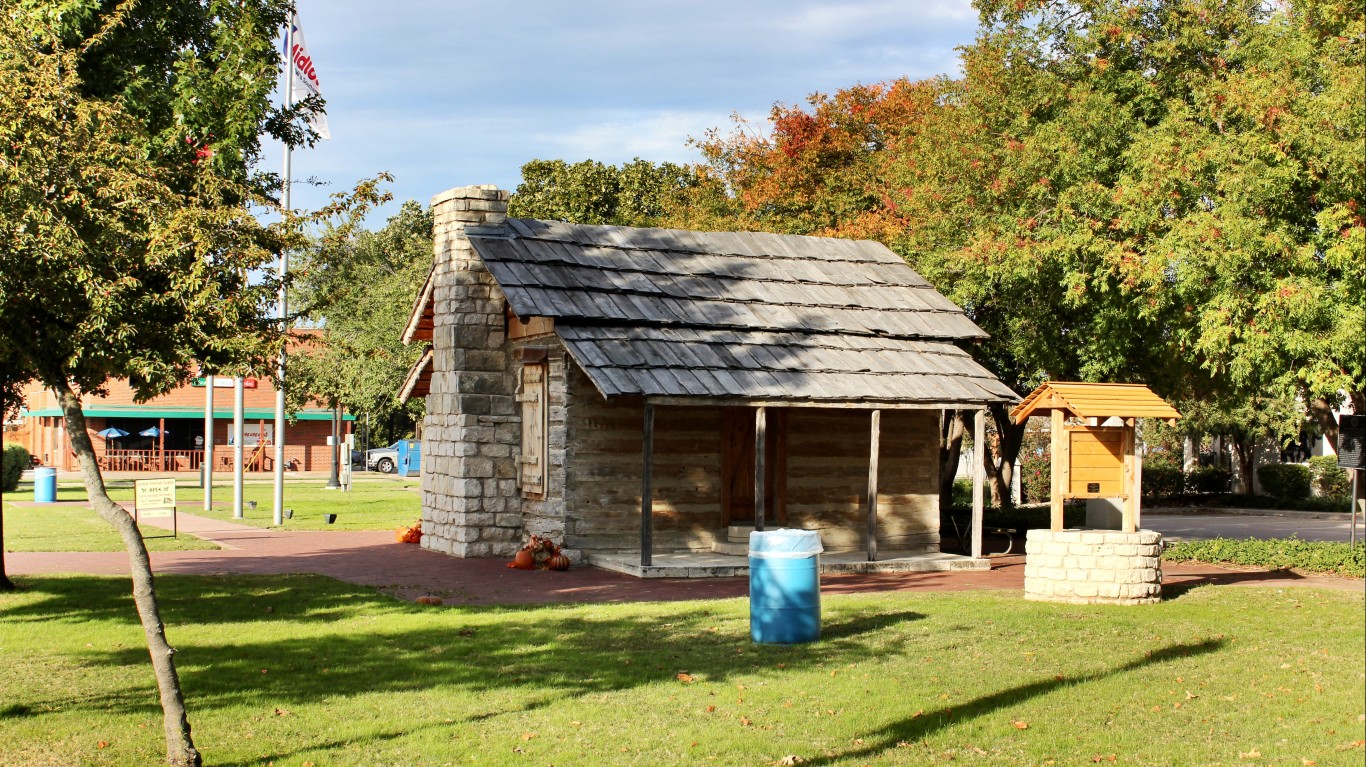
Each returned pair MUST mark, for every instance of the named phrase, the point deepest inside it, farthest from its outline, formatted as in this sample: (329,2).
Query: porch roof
(160,411)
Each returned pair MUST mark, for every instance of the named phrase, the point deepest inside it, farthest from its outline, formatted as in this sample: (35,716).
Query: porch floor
(703,564)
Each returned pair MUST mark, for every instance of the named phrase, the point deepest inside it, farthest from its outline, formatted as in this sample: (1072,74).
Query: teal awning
(154,411)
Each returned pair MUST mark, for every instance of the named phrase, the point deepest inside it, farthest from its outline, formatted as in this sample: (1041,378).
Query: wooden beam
(979,476)
(1129,507)
(872,484)
(760,447)
(1060,460)
(680,401)
(647,498)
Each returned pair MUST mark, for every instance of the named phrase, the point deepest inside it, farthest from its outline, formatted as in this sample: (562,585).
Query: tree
(360,286)
(127,138)
(638,193)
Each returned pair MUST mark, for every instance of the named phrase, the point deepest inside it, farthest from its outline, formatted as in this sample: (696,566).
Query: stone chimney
(470,502)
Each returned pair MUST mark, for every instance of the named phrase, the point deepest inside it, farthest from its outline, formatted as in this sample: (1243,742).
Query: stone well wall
(1093,567)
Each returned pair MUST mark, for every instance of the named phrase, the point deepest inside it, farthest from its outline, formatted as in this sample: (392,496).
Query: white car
(382,459)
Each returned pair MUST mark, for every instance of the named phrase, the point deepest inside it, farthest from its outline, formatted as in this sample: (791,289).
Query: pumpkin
(524,560)
(558,562)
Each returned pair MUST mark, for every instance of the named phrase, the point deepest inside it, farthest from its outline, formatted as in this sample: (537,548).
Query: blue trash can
(784,586)
(44,484)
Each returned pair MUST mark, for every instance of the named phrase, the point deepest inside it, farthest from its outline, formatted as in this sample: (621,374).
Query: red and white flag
(305,76)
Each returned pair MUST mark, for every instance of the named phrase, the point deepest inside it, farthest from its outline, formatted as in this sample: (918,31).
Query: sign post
(1352,455)
(155,498)
(348,445)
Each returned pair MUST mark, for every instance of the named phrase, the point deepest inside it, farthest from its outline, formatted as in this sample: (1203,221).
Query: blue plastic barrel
(784,586)
(44,484)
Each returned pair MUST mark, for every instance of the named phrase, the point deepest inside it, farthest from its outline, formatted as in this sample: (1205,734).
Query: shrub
(1241,501)
(1163,480)
(1208,479)
(1310,556)
(1284,480)
(962,493)
(1329,479)
(1036,477)
(15,459)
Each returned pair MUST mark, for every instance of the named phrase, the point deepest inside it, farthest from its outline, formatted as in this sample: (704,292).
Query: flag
(305,76)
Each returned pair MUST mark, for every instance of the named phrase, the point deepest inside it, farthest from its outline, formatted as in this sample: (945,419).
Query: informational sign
(347,447)
(155,498)
(254,434)
(226,382)
(1352,442)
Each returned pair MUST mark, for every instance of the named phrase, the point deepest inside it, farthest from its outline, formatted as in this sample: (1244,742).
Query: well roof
(1094,400)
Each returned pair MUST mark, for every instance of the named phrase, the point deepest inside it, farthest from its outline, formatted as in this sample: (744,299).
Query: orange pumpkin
(524,560)
(558,562)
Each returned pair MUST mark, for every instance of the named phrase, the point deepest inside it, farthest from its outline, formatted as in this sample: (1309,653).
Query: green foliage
(360,287)
(1208,480)
(962,493)
(13,463)
(638,193)
(1277,554)
(1163,480)
(1284,480)
(1329,479)
(1246,501)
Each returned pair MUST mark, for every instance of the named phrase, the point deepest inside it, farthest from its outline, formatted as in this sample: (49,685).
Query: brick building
(177,444)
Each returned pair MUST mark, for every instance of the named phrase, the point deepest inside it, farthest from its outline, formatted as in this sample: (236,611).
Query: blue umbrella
(152,431)
(113,432)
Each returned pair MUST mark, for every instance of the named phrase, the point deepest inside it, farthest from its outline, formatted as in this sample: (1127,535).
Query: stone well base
(1093,567)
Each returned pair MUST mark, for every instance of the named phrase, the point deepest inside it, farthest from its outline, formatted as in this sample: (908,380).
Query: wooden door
(533,473)
(737,466)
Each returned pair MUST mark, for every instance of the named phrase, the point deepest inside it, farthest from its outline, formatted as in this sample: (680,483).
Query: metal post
(282,303)
(979,476)
(238,430)
(760,447)
(647,497)
(872,485)
(333,483)
(1356,504)
(208,442)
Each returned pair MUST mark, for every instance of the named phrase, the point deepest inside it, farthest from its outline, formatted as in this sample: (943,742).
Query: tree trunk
(1190,454)
(180,750)
(951,431)
(1245,451)
(1000,462)
(1322,412)
(5,583)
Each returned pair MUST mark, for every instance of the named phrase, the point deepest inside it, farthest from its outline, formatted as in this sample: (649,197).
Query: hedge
(12,465)
(1285,480)
(1277,554)
(1330,480)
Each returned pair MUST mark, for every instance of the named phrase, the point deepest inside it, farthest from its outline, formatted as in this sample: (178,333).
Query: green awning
(152,411)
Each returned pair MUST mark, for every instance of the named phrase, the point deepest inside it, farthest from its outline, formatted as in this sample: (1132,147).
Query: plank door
(535,421)
(737,467)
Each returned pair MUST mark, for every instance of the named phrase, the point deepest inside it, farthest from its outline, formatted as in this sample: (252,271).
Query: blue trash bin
(784,586)
(44,484)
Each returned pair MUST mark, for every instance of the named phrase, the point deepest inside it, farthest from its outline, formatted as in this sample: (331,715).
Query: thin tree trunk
(5,583)
(180,750)
(951,431)
(1001,462)
(1245,452)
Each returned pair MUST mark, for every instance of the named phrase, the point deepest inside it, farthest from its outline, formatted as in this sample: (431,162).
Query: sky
(446,94)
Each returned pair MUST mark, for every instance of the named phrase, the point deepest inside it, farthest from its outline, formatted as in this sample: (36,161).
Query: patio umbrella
(152,431)
(113,432)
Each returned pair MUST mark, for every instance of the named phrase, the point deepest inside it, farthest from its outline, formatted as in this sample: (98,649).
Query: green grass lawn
(61,527)
(309,671)
(371,504)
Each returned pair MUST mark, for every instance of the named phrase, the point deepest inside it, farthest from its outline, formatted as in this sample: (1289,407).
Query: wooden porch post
(1129,509)
(760,447)
(873,450)
(979,476)
(1061,463)
(647,489)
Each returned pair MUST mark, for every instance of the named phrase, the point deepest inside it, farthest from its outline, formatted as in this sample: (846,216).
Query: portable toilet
(409,458)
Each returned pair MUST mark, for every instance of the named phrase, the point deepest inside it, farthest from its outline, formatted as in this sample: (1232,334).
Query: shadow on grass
(922,725)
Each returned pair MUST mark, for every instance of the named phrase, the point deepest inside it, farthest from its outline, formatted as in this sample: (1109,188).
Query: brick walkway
(407,571)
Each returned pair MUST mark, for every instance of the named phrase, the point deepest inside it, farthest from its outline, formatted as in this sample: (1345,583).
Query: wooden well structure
(1093,441)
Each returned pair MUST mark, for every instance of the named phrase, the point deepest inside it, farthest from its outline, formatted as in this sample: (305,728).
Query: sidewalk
(408,571)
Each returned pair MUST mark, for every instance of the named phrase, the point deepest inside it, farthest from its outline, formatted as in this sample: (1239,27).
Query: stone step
(739,533)
(730,547)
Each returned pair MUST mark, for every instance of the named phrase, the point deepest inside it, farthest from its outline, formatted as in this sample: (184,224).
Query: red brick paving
(375,559)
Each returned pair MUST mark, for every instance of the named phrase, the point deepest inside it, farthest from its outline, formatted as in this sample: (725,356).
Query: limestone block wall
(1093,567)
(470,501)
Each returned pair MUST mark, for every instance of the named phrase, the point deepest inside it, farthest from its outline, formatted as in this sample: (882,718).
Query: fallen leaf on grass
(1308,762)
(858,741)
(528,735)
(281,712)
(710,709)
(745,721)
(685,677)
(789,761)
(1253,754)
(1020,725)
(1190,695)
(1097,759)
(102,744)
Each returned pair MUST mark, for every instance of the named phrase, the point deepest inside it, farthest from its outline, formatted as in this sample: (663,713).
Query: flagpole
(281,303)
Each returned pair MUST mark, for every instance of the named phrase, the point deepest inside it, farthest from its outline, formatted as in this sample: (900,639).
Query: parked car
(382,459)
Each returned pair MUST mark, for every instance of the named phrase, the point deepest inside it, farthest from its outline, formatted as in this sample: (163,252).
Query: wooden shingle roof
(673,314)
(1094,400)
